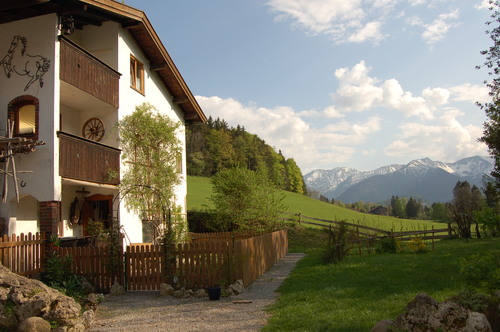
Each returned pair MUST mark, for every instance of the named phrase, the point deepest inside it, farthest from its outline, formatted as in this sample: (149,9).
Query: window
(24,110)
(136,75)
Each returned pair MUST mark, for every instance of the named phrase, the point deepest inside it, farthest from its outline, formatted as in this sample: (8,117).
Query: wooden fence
(95,264)
(208,260)
(23,254)
(211,259)
(361,233)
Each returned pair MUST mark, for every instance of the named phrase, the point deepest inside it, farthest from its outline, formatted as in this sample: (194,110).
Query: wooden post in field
(359,240)
(300,214)
(432,237)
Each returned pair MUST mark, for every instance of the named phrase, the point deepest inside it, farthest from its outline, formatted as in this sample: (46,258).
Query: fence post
(299,215)
(433,237)
(359,240)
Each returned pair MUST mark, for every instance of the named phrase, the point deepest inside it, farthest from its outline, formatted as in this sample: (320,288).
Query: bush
(482,270)
(338,244)
(417,245)
(387,245)
(245,201)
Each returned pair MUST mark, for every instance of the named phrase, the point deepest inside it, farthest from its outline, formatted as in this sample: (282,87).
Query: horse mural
(18,61)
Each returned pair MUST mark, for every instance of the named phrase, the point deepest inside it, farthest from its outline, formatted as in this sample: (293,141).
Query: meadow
(199,191)
(355,294)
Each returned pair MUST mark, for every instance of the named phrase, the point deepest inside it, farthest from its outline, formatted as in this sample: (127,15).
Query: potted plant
(214,292)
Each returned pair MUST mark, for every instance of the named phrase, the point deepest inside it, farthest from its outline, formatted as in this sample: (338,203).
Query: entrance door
(97,208)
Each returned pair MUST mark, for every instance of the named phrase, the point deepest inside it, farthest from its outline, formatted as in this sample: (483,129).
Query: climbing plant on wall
(150,151)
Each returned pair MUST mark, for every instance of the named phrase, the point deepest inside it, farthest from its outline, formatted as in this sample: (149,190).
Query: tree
(412,208)
(150,149)
(466,201)
(439,212)
(294,179)
(245,201)
(491,128)
(398,207)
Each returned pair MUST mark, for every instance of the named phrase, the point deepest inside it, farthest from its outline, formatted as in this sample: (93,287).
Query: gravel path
(148,311)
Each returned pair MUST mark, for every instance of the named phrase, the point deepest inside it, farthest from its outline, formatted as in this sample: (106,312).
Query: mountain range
(425,179)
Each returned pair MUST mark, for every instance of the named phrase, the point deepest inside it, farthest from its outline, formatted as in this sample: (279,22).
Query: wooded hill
(215,146)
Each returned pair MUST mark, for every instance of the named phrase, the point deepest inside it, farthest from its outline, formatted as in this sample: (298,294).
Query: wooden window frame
(135,67)
(13,114)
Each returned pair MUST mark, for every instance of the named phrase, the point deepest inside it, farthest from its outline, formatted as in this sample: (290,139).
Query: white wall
(156,95)
(40,33)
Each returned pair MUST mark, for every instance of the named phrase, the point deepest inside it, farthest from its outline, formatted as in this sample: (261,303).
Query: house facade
(69,71)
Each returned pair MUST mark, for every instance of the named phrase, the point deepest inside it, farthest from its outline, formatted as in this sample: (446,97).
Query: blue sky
(331,83)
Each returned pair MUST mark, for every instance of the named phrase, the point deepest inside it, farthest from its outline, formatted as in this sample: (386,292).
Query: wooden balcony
(86,160)
(84,71)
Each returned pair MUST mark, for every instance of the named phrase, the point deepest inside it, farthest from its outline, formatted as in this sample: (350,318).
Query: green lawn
(361,290)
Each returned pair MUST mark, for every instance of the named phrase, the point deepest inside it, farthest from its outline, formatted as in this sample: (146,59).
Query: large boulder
(22,298)
(425,314)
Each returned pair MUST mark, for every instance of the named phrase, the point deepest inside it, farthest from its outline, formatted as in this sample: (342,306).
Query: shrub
(417,245)
(387,245)
(482,270)
(338,244)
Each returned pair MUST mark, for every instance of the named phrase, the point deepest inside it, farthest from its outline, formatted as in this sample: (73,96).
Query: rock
(188,293)
(116,289)
(424,313)
(22,298)
(477,322)
(200,293)
(179,293)
(88,318)
(34,324)
(76,328)
(65,312)
(382,326)
(166,289)
(92,300)
(237,287)
(449,314)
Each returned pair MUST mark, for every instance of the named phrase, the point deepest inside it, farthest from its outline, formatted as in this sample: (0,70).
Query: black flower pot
(214,293)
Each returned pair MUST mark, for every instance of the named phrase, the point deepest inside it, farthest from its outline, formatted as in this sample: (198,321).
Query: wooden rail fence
(366,234)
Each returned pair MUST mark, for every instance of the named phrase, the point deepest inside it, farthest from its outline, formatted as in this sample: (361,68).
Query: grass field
(356,293)
(199,191)
(362,290)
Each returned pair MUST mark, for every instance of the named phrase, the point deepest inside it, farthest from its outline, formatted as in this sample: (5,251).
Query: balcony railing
(84,71)
(82,159)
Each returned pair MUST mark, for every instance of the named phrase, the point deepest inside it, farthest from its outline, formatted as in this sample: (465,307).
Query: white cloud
(358,92)
(445,139)
(470,92)
(484,4)
(284,129)
(358,21)
(344,21)
(317,15)
(371,31)
(437,30)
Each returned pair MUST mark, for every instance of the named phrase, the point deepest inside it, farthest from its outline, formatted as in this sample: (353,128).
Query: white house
(69,71)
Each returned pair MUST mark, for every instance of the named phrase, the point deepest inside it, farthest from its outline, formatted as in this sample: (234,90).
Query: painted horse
(18,61)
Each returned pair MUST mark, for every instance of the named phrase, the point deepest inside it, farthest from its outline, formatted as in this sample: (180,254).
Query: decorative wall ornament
(93,129)
(18,61)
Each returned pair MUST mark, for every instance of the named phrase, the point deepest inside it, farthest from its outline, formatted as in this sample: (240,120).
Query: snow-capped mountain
(429,180)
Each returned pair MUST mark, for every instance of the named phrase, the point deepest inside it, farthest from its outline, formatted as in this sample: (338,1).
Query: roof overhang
(96,12)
